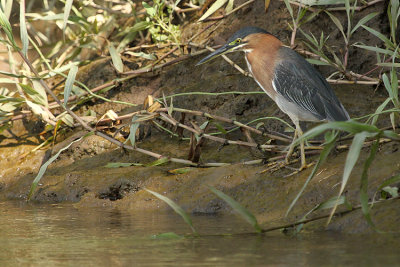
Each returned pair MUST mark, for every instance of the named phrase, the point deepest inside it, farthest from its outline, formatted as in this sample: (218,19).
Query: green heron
(295,85)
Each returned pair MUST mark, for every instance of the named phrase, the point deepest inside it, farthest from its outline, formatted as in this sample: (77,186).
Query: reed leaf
(116,58)
(43,168)
(22,28)
(363,21)
(236,206)
(364,184)
(175,207)
(69,83)
(351,160)
(331,139)
(67,10)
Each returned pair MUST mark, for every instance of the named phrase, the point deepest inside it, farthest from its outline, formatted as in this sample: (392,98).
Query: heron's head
(237,42)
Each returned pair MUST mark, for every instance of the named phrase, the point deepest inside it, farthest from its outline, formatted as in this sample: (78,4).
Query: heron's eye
(238,40)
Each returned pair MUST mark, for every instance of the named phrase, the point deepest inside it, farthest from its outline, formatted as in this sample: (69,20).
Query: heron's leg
(302,153)
(291,148)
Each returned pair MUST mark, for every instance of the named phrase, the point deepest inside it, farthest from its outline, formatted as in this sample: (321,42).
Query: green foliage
(161,27)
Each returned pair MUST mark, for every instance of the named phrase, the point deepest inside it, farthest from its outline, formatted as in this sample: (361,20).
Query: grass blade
(351,160)
(23,30)
(116,58)
(289,7)
(339,25)
(133,130)
(387,42)
(364,20)
(323,156)
(175,207)
(69,83)
(378,111)
(67,10)
(376,49)
(43,168)
(364,184)
(236,206)
(157,162)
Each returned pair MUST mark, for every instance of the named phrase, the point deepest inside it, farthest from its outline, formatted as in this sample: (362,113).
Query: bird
(297,88)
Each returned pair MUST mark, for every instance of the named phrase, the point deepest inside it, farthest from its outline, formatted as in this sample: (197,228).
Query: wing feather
(300,83)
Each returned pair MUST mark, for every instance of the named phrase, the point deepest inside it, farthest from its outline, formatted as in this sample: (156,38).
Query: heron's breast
(261,57)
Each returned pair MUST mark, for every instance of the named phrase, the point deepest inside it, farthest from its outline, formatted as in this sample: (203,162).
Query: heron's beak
(219,52)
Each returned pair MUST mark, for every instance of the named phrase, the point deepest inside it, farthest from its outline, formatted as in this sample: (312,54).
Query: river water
(60,235)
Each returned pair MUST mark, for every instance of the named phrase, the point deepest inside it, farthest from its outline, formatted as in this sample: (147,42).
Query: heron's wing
(300,83)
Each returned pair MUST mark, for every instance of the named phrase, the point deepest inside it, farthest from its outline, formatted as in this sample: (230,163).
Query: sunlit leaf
(37,94)
(175,207)
(237,207)
(69,83)
(7,80)
(23,30)
(217,5)
(229,6)
(116,59)
(67,119)
(7,7)
(67,10)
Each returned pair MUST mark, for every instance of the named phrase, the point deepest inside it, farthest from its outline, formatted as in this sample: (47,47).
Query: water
(60,235)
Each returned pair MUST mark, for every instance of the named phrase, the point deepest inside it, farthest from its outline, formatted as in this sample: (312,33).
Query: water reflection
(60,235)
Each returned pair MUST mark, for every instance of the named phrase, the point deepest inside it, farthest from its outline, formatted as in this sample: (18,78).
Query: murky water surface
(60,235)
